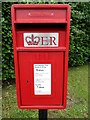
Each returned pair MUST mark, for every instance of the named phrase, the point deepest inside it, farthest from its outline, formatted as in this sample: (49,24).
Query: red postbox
(41,46)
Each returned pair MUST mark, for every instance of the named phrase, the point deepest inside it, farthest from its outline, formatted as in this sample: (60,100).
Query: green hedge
(79,38)
(79,34)
(7,43)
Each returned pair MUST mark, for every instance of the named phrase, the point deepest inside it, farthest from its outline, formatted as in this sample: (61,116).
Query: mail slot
(41,46)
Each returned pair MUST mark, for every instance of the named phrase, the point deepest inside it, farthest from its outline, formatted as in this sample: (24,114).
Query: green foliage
(79,37)
(7,43)
(79,34)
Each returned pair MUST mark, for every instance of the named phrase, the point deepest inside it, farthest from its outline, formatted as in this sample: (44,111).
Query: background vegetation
(79,37)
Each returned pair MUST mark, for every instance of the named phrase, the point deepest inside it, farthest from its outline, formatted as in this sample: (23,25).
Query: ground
(77,98)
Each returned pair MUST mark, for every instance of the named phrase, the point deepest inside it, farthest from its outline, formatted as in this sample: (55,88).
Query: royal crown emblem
(32,40)
(41,39)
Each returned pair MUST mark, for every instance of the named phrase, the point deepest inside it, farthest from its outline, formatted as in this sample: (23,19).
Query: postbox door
(27,60)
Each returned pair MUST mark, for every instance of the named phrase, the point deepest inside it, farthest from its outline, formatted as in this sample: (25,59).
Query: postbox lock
(52,14)
(29,13)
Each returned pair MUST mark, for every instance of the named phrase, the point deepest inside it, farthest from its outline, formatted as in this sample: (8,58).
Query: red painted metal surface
(42,19)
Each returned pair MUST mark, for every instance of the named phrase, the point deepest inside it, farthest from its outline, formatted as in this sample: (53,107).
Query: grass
(77,98)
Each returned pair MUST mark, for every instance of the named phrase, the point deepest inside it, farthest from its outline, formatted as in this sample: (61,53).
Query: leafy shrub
(7,43)
(79,37)
(79,34)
